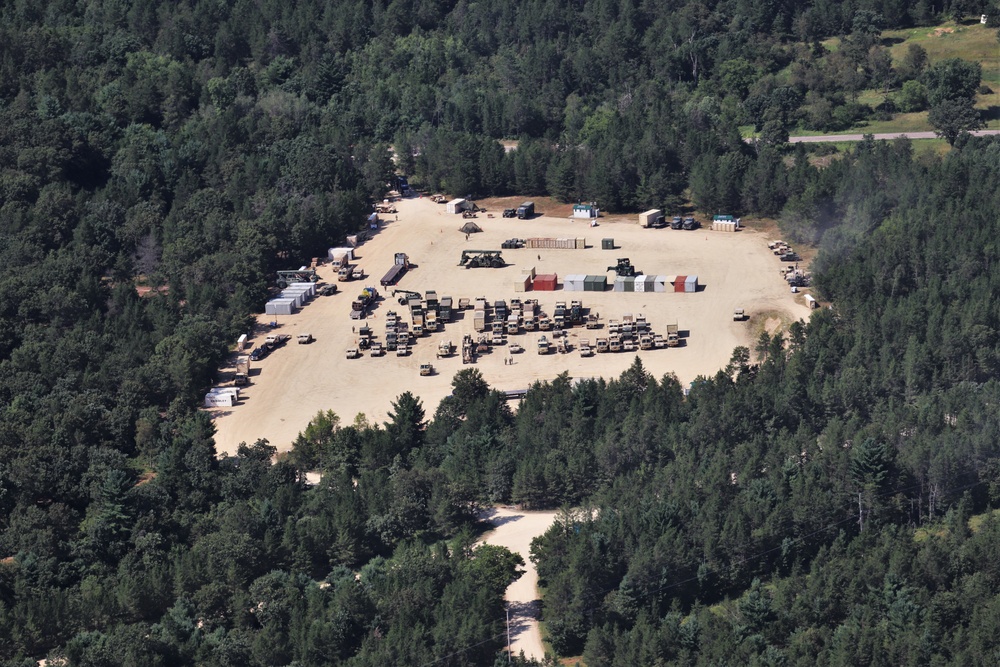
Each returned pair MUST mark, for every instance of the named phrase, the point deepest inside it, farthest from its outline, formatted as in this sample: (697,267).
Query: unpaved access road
(515,530)
(827,138)
(288,388)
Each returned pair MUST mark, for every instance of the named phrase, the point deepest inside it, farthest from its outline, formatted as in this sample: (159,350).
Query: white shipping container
(455,206)
(235,391)
(241,342)
(691,284)
(619,284)
(298,298)
(309,287)
(640,283)
(280,307)
(647,218)
(660,284)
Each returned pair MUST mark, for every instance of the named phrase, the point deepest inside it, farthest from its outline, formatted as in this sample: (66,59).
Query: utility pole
(507,609)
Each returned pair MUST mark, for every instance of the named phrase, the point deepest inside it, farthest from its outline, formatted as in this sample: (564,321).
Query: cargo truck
(242,376)
(444,309)
(526,210)
(479,320)
(673,336)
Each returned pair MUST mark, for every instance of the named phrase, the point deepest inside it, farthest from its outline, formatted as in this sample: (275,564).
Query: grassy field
(969,41)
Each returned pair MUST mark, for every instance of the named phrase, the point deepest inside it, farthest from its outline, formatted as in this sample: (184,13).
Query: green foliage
(194,149)
(954,118)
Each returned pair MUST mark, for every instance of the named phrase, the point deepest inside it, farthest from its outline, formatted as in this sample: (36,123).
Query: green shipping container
(607,244)
(629,283)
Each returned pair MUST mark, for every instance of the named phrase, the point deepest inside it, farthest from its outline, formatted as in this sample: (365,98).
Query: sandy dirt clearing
(295,382)
(515,530)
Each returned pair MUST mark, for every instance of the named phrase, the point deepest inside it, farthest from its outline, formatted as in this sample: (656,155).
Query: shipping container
(660,284)
(337,254)
(649,217)
(241,343)
(522,284)
(545,282)
(600,283)
(619,284)
(650,283)
(581,244)
(640,283)
(551,244)
(607,244)
(280,307)
(455,206)
(574,283)
(679,283)
(629,283)
(309,287)
(691,284)
(529,272)
(297,297)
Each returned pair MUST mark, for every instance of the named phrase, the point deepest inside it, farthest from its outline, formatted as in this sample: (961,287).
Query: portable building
(691,284)
(607,244)
(522,284)
(649,217)
(585,211)
(455,206)
(545,282)
(219,400)
(679,283)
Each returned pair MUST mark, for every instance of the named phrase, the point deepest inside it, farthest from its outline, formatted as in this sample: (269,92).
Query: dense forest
(809,504)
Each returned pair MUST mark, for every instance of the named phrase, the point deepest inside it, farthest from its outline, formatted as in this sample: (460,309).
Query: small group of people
(508,361)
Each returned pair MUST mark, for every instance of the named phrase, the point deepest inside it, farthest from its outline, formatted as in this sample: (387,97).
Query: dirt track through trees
(515,530)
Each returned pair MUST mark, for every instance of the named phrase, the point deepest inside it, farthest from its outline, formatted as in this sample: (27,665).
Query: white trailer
(649,217)
(456,206)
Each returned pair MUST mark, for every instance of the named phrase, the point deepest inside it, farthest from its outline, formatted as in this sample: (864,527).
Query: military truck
(242,376)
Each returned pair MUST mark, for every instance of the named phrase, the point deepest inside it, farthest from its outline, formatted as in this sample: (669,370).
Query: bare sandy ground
(295,382)
(515,530)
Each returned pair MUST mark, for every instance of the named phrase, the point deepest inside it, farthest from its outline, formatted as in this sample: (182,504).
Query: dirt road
(826,138)
(735,270)
(515,530)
